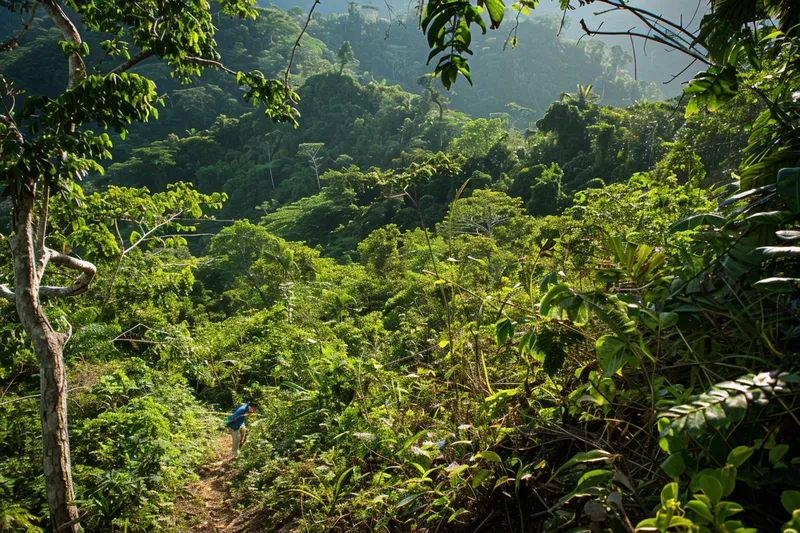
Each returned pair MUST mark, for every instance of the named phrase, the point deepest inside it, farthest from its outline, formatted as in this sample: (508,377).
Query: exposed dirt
(208,505)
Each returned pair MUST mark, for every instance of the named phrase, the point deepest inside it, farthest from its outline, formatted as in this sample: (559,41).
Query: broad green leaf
(712,488)
(667,320)
(772,35)
(504,330)
(735,407)
(791,500)
(777,453)
(456,470)
(696,423)
(701,509)
(593,478)
(777,252)
(649,318)
(436,30)
(788,188)
(789,236)
(549,279)
(726,510)
(695,221)
(480,477)
(674,465)
(692,108)
(727,478)
(584,457)
(527,342)
(669,492)
(553,297)
(412,440)
(496,10)
(489,455)
(715,416)
(778,285)
(769,218)
(612,353)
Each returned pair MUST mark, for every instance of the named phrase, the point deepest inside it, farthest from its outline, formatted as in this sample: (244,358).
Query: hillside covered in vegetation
(548,300)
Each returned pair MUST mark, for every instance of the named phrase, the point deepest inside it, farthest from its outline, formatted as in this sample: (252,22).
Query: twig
(654,38)
(635,63)
(209,63)
(681,72)
(30,397)
(297,43)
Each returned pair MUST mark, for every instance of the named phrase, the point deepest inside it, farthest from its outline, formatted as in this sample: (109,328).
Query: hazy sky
(654,63)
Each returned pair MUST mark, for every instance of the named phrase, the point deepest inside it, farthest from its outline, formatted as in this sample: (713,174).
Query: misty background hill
(654,63)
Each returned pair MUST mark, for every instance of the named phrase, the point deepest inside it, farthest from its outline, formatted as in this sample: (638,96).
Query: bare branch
(679,39)
(676,76)
(21,398)
(654,38)
(640,12)
(297,43)
(141,56)
(209,63)
(14,41)
(635,65)
(122,336)
(81,283)
(41,235)
(152,230)
(77,69)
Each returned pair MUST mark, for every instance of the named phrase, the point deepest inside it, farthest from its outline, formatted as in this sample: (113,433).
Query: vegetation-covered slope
(574,317)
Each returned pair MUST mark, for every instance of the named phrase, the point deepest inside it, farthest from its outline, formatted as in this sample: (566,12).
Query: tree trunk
(48,345)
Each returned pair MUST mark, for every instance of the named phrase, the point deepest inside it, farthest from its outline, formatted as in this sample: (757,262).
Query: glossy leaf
(788,188)
(739,455)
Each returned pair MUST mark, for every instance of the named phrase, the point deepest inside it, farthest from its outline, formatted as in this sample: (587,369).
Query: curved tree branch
(77,69)
(141,56)
(79,285)
(14,41)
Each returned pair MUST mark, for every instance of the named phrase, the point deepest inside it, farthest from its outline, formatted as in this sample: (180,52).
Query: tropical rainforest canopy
(480,269)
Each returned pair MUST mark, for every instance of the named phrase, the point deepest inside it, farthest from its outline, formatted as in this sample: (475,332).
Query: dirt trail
(208,505)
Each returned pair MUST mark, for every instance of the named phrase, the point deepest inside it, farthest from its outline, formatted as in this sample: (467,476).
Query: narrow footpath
(208,504)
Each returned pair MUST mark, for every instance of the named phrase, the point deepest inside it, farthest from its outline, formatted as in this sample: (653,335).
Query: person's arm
(235,418)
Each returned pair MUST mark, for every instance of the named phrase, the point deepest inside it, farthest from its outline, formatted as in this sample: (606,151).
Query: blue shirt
(236,420)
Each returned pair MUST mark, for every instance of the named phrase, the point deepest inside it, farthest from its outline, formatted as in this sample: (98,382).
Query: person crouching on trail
(236,425)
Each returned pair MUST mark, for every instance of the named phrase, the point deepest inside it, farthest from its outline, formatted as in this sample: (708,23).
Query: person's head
(252,407)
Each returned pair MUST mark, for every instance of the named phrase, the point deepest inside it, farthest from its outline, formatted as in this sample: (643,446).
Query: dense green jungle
(479,274)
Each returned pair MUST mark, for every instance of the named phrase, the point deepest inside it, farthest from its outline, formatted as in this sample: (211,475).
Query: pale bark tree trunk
(48,345)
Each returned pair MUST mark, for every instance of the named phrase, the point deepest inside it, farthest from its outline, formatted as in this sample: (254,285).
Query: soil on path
(208,506)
